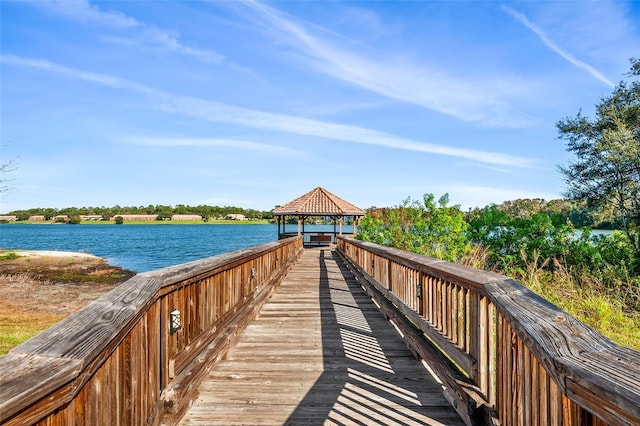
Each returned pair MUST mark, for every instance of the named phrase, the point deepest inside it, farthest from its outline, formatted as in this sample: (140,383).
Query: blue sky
(254,103)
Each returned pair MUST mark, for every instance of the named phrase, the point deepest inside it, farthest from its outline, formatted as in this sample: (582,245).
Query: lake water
(142,248)
(139,248)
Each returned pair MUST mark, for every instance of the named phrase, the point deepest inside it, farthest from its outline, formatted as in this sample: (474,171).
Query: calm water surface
(137,247)
(142,248)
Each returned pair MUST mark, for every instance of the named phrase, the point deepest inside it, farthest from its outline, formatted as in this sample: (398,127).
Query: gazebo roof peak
(319,202)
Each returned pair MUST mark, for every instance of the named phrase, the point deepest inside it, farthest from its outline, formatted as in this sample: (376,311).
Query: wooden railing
(120,360)
(504,354)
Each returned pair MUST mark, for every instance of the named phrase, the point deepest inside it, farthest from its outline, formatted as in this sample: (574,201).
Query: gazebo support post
(333,219)
(304,218)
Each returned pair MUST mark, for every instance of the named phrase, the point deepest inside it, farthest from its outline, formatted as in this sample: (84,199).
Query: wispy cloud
(213,143)
(136,32)
(424,85)
(218,112)
(102,79)
(223,113)
(485,166)
(82,11)
(337,108)
(544,37)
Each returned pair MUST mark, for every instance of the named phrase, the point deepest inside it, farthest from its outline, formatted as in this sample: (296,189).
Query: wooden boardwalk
(320,352)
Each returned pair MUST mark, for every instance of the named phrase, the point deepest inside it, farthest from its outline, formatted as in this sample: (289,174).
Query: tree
(163,212)
(606,169)
(514,241)
(5,168)
(74,219)
(423,227)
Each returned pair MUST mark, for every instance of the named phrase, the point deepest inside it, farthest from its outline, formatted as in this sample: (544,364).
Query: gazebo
(321,203)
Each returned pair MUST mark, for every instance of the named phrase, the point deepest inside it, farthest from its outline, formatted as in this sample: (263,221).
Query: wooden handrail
(503,353)
(118,360)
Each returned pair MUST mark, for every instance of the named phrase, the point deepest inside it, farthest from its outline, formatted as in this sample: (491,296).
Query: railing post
(421,292)
(389,275)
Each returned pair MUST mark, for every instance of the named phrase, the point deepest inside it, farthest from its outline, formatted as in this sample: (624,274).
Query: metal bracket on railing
(253,272)
(419,290)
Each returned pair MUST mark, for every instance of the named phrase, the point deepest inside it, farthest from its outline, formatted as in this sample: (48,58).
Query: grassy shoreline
(595,307)
(41,287)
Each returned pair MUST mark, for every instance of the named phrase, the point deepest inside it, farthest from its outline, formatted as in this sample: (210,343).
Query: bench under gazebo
(317,203)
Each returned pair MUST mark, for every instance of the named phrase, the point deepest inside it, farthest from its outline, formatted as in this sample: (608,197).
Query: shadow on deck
(320,352)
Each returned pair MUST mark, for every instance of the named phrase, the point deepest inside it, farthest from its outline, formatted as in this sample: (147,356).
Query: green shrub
(9,256)
(422,227)
(589,276)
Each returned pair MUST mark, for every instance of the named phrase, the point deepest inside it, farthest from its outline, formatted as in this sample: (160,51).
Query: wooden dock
(276,334)
(320,352)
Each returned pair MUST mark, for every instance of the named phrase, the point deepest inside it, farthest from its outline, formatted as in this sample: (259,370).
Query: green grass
(17,326)
(591,304)
(8,255)
(603,313)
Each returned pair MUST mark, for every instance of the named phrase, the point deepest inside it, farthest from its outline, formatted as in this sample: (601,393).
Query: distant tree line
(161,211)
(562,211)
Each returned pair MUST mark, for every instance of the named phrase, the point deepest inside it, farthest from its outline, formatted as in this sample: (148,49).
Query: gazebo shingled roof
(318,202)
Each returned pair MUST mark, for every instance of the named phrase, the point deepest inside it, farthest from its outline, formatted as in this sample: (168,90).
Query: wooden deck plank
(320,352)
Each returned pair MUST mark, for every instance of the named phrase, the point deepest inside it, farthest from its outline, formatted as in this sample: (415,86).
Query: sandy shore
(53,253)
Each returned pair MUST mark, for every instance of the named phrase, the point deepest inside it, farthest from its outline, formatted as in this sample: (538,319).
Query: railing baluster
(509,357)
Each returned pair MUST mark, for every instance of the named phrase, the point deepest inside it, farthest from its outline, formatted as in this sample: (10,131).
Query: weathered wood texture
(116,361)
(320,352)
(529,361)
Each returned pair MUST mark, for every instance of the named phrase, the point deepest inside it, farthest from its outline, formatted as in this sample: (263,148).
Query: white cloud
(218,112)
(424,85)
(137,32)
(223,113)
(102,79)
(337,108)
(81,10)
(213,142)
(544,37)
